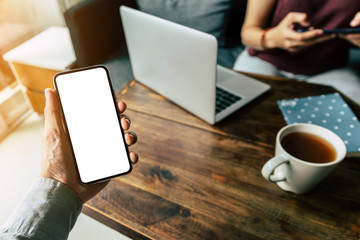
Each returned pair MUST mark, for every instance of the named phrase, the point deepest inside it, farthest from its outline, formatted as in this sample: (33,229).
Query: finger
(311,34)
(125,122)
(351,36)
(355,41)
(295,49)
(121,106)
(319,39)
(299,18)
(134,157)
(293,35)
(295,45)
(52,112)
(130,138)
(356,20)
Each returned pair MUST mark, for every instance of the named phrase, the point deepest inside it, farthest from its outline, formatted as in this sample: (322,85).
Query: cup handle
(270,166)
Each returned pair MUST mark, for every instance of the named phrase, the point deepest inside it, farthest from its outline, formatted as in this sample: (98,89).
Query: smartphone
(92,121)
(334,31)
(342,30)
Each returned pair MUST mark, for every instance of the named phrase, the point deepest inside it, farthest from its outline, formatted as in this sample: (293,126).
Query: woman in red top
(274,47)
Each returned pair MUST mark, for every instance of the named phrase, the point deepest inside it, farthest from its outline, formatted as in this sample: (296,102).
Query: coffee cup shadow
(341,180)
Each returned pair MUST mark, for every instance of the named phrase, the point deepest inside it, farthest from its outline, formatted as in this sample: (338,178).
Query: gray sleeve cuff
(48,211)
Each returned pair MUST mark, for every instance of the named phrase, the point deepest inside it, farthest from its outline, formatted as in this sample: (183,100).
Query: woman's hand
(285,37)
(353,38)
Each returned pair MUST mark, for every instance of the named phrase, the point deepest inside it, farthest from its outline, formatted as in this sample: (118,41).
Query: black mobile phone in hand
(333,31)
(342,31)
(92,122)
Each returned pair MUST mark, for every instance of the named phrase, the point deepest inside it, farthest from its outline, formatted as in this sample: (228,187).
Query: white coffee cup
(296,175)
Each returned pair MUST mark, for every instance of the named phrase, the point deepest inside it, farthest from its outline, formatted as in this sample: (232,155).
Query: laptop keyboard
(224,99)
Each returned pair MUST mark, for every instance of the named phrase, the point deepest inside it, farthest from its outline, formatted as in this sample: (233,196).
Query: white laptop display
(180,63)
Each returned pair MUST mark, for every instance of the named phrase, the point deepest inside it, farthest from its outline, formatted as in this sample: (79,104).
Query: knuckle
(52,136)
(288,45)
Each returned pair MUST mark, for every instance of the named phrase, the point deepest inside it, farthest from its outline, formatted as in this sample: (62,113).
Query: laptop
(179,63)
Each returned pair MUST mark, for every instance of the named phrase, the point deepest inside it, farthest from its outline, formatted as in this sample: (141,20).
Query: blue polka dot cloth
(330,111)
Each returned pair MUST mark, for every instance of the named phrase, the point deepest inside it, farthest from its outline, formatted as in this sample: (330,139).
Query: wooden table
(196,181)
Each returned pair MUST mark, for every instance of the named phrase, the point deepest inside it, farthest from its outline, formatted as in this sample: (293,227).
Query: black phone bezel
(118,117)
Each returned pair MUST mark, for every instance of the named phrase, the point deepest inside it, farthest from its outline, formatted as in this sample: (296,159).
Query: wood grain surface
(197,181)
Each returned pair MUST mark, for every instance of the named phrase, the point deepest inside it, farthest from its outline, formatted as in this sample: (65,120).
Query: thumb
(52,112)
(356,20)
(299,18)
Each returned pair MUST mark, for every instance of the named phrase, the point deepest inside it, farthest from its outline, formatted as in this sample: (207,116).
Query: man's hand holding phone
(58,161)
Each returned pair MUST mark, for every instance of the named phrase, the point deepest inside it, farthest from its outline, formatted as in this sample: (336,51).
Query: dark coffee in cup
(308,147)
(304,155)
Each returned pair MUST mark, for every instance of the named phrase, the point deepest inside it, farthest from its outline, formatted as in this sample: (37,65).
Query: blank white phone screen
(93,124)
